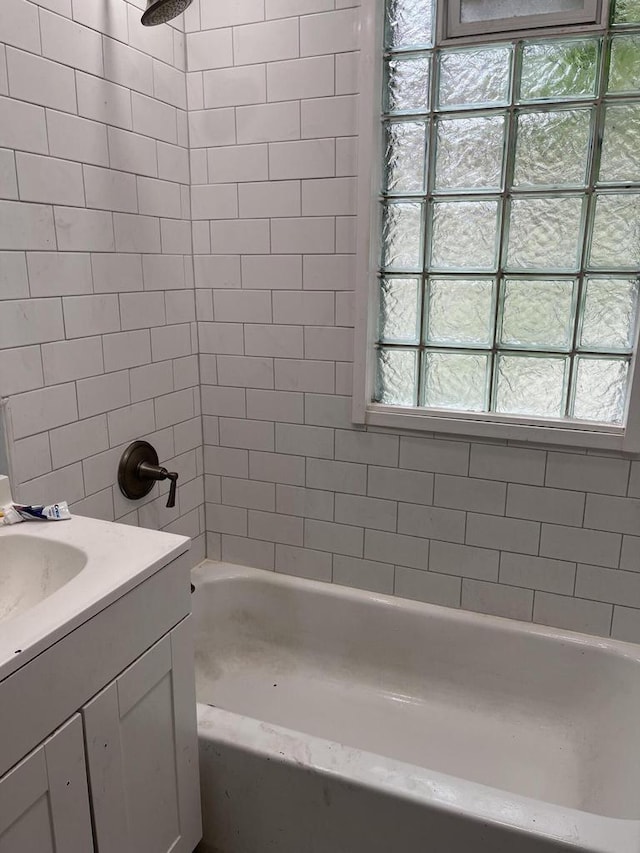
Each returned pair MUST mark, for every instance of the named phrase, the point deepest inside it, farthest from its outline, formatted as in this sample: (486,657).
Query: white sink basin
(56,576)
(32,569)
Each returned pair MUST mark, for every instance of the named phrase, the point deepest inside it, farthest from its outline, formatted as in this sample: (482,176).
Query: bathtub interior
(536,713)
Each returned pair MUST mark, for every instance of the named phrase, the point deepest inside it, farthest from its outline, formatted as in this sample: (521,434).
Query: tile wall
(100,271)
(98,342)
(536,534)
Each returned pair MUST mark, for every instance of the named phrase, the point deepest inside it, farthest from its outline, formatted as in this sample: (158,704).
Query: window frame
(451,29)
(625,437)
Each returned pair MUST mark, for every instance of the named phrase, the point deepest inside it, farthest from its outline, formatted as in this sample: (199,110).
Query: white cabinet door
(44,800)
(142,753)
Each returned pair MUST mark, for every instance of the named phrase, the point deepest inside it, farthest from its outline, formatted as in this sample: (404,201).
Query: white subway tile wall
(492,527)
(98,339)
(146,248)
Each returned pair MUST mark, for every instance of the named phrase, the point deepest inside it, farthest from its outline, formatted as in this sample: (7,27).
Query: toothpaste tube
(15,513)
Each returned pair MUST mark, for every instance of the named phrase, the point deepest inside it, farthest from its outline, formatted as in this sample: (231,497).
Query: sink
(32,569)
(54,577)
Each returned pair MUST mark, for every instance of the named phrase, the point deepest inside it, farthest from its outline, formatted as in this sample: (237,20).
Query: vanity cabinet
(44,800)
(119,774)
(138,734)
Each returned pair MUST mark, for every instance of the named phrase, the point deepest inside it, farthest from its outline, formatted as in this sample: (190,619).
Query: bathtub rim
(472,801)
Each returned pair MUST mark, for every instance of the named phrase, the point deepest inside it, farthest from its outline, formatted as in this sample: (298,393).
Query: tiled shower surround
(99,343)
(98,340)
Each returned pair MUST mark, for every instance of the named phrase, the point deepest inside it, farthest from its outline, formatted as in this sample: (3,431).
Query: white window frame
(625,438)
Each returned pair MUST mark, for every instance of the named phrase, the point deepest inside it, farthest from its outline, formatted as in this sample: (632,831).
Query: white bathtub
(333,720)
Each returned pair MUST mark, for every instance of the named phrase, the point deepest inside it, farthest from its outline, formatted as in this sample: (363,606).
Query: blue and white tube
(15,513)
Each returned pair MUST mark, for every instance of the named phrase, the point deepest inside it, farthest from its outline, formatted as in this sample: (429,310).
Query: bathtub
(332,720)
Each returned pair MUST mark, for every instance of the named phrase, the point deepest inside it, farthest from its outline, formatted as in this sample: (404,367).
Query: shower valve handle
(139,469)
(157,472)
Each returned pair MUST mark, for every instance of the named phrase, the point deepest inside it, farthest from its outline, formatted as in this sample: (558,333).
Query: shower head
(161,11)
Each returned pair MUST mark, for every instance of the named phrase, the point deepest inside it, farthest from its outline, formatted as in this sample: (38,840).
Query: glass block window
(510,220)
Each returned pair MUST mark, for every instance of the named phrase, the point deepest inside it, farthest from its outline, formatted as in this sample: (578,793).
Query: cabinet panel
(149,764)
(186,727)
(44,802)
(142,753)
(31,831)
(68,788)
(104,762)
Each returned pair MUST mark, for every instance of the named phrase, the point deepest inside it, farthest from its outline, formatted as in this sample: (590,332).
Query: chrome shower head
(161,11)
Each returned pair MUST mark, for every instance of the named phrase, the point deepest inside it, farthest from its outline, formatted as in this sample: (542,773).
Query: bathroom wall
(528,532)
(98,342)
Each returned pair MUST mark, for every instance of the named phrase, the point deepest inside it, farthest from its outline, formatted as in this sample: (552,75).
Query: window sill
(610,438)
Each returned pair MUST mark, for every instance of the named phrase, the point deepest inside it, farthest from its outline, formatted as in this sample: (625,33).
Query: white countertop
(119,557)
